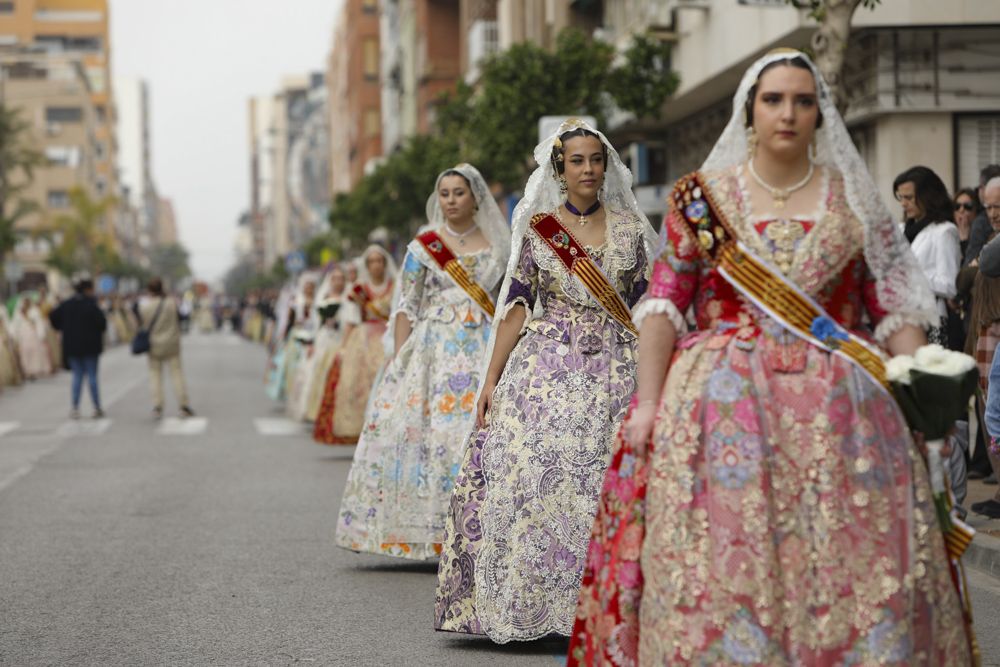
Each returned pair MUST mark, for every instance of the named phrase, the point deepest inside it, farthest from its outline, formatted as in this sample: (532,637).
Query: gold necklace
(780,195)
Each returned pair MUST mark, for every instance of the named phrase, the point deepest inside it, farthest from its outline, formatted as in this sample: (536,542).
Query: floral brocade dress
(400,484)
(781,513)
(525,498)
(355,367)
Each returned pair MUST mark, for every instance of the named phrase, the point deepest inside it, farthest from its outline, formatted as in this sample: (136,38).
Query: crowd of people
(633,441)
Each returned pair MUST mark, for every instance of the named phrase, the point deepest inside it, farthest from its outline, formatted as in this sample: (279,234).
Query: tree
(81,241)
(18,160)
(829,42)
(495,126)
(170,262)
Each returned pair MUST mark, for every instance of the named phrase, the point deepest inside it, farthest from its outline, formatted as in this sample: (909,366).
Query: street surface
(209,541)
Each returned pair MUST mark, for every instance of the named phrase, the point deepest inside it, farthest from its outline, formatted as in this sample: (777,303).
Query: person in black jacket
(82,324)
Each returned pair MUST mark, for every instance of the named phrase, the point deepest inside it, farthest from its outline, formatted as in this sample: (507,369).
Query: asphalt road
(209,541)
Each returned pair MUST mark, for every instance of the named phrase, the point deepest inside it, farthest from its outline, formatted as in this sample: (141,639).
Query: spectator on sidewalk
(159,314)
(82,324)
(981,228)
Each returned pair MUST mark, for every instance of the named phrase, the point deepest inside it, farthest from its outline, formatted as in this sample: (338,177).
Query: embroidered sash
(578,263)
(449,263)
(765,286)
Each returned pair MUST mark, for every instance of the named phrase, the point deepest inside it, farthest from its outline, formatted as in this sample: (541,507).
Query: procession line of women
(690,482)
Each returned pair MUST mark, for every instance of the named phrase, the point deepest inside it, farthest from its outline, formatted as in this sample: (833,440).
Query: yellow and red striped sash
(449,263)
(576,260)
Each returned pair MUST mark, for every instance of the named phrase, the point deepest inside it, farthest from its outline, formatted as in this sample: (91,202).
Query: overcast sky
(202,60)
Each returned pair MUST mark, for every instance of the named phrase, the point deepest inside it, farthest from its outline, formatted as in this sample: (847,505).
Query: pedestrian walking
(159,315)
(82,323)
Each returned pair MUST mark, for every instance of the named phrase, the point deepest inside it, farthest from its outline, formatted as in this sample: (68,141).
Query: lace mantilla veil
(542,194)
(488,218)
(901,287)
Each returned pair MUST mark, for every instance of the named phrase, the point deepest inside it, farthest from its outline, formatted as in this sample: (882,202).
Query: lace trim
(516,301)
(619,253)
(890,324)
(660,306)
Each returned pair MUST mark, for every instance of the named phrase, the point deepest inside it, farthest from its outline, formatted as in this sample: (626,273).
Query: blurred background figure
(82,324)
(981,230)
(165,346)
(933,237)
(32,341)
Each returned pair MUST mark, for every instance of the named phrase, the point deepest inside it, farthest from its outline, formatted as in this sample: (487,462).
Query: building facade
(421,51)
(138,200)
(53,95)
(353,80)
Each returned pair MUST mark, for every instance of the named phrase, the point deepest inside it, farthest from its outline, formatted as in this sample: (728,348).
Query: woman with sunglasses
(967,207)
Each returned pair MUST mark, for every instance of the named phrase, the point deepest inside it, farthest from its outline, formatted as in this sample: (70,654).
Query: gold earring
(563,187)
(751,142)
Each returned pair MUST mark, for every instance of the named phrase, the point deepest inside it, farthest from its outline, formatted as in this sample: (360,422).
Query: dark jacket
(979,232)
(82,324)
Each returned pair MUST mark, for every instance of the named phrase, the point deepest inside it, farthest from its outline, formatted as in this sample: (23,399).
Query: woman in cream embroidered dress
(330,334)
(554,392)
(400,484)
(357,364)
(787,516)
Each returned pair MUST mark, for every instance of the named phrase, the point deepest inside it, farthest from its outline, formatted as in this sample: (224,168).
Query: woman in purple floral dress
(556,388)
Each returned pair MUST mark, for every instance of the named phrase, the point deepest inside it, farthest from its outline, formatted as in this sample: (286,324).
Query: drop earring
(563,187)
(812,150)
(751,142)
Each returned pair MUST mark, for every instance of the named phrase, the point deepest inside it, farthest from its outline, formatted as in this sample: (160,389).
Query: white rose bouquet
(933,388)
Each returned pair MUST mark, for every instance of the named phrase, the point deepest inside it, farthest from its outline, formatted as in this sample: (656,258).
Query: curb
(983,555)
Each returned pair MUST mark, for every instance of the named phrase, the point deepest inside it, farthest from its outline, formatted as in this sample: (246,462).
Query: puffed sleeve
(411,287)
(675,276)
(639,279)
(523,281)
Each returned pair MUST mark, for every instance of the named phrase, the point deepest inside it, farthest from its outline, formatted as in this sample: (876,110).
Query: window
(978,144)
(101,186)
(63,114)
(63,156)
(373,123)
(369,6)
(57,199)
(100,150)
(102,113)
(370,54)
(60,43)
(7,7)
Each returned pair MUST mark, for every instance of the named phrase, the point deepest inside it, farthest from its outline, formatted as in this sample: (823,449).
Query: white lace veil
(542,194)
(489,218)
(390,264)
(901,287)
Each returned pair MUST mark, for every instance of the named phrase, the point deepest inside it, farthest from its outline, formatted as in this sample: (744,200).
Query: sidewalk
(984,552)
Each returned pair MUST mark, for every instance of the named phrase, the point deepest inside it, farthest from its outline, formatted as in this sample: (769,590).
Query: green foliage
(645,81)
(170,262)
(495,126)
(81,241)
(18,159)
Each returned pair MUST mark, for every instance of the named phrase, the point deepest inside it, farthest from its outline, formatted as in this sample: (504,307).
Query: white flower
(898,369)
(936,360)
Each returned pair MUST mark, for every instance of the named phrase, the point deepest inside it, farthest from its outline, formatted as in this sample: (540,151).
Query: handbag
(141,343)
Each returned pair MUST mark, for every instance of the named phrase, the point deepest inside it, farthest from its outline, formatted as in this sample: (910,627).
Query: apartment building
(138,196)
(540,21)
(79,28)
(53,95)
(353,80)
(421,52)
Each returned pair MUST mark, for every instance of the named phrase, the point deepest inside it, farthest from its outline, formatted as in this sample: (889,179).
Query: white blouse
(939,255)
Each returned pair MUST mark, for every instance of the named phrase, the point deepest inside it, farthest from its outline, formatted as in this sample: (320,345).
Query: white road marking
(8,427)
(83,427)
(180,426)
(279,426)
